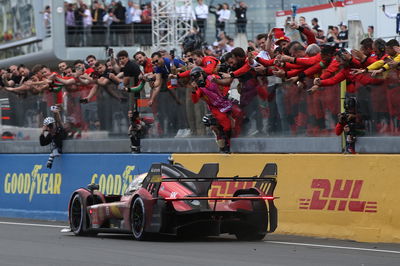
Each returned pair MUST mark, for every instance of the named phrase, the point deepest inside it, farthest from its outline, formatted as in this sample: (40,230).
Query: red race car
(171,199)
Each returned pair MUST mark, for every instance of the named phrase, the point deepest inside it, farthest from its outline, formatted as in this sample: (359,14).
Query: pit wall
(337,196)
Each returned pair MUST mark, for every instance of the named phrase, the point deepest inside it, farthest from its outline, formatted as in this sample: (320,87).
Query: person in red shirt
(144,61)
(224,116)
(207,63)
(345,73)
(88,97)
(249,87)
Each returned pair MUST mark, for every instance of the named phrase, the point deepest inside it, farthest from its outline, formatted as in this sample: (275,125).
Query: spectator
(185,15)
(370,32)
(117,27)
(146,24)
(241,18)
(71,25)
(201,12)
(332,37)
(215,11)
(98,28)
(108,20)
(314,23)
(166,100)
(79,14)
(321,39)
(133,16)
(223,16)
(303,22)
(47,20)
(87,25)
(343,36)
(393,15)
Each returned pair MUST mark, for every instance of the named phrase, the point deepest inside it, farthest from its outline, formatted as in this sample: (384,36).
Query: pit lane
(28,242)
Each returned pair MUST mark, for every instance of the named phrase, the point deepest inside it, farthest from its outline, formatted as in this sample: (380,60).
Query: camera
(250,49)
(152,79)
(84,100)
(53,108)
(223,68)
(191,60)
(342,53)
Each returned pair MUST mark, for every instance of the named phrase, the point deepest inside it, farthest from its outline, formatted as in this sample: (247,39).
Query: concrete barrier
(340,196)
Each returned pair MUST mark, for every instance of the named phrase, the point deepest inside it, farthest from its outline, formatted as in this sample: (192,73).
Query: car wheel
(138,219)
(76,215)
(258,221)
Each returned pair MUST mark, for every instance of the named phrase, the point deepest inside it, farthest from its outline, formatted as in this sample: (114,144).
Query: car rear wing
(266,182)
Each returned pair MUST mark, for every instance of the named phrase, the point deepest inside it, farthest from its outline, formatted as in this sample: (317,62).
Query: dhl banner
(340,196)
(28,189)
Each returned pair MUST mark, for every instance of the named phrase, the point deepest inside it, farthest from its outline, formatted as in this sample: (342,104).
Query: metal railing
(112,35)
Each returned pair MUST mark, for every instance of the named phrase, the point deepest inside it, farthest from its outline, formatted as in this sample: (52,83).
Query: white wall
(369,14)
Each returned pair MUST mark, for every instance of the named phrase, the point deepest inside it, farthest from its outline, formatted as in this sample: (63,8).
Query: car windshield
(136,183)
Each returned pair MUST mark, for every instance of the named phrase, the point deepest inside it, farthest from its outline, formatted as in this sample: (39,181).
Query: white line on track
(39,225)
(274,242)
(337,247)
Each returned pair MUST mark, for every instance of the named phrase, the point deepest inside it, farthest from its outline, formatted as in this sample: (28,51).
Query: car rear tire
(138,220)
(76,215)
(258,221)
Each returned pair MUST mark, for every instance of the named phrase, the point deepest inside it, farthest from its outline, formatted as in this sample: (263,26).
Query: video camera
(350,109)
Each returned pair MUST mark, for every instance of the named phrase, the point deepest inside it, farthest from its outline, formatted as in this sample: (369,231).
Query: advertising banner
(339,196)
(29,189)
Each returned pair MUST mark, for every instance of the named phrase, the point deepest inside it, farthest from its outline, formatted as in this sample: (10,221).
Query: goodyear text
(33,183)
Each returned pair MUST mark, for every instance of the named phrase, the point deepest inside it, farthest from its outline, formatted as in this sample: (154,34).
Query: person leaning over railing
(53,133)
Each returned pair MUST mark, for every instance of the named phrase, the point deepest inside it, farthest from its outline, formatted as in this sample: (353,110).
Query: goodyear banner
(29,189)
(340,196)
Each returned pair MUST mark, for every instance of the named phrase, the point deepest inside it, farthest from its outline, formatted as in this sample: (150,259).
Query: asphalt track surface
(27,242)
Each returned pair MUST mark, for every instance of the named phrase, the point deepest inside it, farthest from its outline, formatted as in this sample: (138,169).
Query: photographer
(350,123)
(225,116)
(240,9)
(138,129)
(53,133)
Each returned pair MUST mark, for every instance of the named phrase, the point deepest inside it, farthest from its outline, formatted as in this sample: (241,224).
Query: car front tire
(138,219)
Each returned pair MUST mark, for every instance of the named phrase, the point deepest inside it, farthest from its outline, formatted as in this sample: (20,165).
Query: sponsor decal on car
(226,189)
(33,183)
(338,195)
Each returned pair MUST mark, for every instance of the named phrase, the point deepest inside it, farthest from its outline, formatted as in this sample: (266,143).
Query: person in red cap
(282,42)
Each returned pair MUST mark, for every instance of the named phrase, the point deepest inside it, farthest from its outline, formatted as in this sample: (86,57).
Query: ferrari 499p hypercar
(171,199)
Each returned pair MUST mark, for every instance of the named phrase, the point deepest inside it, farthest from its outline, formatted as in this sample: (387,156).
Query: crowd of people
(113,24)
(279,85)
(119,25)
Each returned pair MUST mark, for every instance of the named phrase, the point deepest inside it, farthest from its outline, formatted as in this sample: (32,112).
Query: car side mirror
(92,187)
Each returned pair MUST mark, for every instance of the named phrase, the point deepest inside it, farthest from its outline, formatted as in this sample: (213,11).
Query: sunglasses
(154,62)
